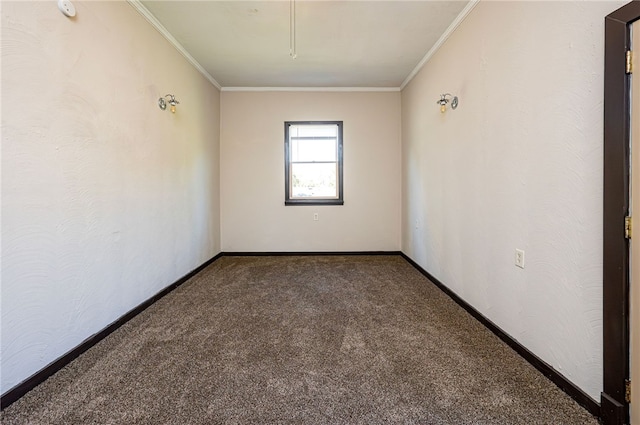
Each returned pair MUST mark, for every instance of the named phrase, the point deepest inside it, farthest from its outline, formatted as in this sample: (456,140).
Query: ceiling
(373,44)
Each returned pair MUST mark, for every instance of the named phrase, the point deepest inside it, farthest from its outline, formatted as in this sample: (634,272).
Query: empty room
(319,212)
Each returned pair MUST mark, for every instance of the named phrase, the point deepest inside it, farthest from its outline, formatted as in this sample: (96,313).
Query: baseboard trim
(546,369)
(37,378)
(612,412)
(306,253)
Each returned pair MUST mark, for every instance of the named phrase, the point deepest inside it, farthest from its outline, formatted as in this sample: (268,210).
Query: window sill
(290,202)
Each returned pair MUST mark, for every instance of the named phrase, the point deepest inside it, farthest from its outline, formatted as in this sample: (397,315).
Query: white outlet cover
(520,258)
(67,8)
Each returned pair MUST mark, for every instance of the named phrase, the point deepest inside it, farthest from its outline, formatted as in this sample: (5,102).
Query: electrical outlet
(520,258)
(315,216)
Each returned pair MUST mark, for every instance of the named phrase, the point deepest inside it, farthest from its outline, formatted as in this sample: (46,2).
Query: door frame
(614,410)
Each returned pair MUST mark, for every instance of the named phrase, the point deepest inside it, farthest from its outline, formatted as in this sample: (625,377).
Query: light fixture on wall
(171,100)
(444,99)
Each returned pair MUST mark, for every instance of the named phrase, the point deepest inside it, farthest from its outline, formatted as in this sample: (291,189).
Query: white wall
(106,200)
(517,165)
(254,217)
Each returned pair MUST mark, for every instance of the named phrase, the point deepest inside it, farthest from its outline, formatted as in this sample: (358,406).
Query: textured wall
(105,199)
(517,165)
(254,217)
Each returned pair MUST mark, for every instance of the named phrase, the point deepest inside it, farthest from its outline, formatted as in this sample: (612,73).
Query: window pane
(313,150)
(326,130)
(313,180)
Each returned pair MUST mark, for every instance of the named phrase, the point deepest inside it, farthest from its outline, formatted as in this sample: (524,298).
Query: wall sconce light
(444,100)
(171,100)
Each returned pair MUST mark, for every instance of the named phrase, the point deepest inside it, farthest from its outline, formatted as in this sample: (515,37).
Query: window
(313,163)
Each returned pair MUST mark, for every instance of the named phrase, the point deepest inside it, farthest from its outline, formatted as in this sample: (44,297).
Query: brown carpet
(300,340)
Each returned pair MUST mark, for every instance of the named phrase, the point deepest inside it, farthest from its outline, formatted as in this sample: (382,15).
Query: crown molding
(311,89)
(137,5)
(445,36)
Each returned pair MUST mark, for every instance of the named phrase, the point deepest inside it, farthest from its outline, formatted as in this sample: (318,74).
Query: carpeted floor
(300,340)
